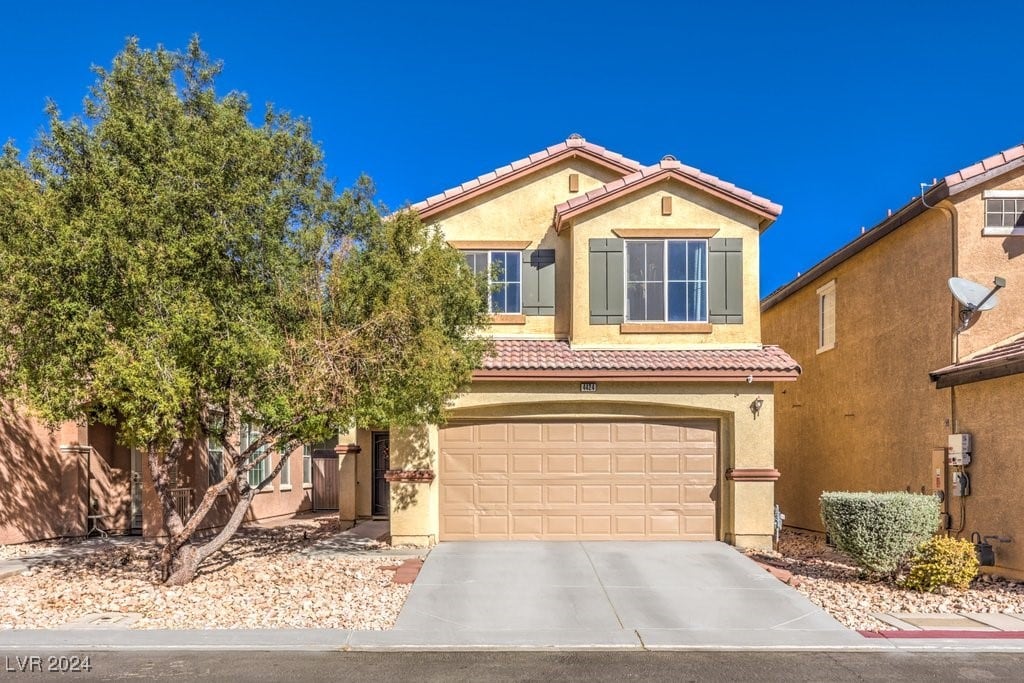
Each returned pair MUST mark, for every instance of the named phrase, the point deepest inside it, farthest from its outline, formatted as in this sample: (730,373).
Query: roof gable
(667,168)
(575,146)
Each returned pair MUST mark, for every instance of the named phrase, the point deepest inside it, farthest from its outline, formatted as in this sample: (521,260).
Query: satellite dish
(974,298)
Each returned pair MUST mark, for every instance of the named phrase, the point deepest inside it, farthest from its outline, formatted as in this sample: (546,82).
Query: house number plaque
(588,387)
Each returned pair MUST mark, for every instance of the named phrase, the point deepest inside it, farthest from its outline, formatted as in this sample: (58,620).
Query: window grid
(503,270)
(678,282)
(1004,213)
(248,435)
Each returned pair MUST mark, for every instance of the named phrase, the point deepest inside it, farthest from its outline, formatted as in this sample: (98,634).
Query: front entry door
(136,490)
(381,463)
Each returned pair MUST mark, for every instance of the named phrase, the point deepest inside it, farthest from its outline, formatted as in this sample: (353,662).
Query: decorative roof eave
(1002,360)
(566,374)
(767,210)
(574,147)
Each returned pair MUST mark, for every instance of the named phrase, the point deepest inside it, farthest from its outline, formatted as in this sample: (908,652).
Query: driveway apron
(607,594)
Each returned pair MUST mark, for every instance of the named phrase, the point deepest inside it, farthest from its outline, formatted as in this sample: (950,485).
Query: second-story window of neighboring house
(504,278)
(667,280)
(827,316)
(250,434)
(1004,212)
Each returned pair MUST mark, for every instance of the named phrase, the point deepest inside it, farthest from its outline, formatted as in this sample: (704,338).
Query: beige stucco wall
(745,509)
(42,487)
(865,415)
(990,412)
(980,258)
(691,209)
(523,210)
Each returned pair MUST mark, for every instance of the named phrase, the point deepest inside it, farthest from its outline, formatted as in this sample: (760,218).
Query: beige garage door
(578,480)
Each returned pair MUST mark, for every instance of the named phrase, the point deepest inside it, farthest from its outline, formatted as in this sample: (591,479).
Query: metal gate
(325,480)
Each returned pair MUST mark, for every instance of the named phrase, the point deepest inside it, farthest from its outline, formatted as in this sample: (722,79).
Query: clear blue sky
(835,110)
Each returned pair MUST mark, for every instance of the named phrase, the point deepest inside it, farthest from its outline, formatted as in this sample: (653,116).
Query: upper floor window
(667,280)
(504,278)
(1004,212)
(827,317)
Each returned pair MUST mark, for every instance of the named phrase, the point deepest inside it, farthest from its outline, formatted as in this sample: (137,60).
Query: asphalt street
(516,666)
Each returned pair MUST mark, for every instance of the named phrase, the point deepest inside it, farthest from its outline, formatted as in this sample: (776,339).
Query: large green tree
(174,270)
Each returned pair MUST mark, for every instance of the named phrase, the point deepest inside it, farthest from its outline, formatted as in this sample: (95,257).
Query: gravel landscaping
(263,578)
(832,581)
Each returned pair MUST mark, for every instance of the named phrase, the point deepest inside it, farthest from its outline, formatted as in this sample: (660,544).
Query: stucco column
(414,488)
(347,454)
(750,476)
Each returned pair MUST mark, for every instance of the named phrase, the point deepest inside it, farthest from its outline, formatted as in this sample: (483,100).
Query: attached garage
(578,480)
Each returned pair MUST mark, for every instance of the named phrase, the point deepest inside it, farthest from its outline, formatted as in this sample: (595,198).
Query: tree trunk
(184,564)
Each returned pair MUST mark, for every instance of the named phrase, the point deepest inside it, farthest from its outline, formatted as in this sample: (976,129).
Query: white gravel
(261,579)
(832,581)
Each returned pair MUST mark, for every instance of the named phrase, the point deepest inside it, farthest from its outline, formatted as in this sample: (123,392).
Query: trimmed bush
(942,561)
(879,530)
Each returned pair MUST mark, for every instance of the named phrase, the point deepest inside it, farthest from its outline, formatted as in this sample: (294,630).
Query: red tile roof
(667,167)
(985,169)
(557,359)
(1005,358)
(575,145)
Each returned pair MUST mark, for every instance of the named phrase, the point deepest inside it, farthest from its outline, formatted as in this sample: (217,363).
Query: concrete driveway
(607,594)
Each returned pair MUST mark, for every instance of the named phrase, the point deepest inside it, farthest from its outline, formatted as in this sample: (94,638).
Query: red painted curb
(977,635)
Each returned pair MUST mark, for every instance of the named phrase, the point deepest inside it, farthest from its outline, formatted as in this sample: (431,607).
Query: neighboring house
(75,479)
(629,395)
(886,376)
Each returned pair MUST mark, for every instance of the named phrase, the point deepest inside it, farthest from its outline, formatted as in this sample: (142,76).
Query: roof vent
(575,136)
(669,157)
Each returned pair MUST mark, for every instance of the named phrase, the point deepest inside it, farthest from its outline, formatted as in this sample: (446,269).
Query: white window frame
(307,466)
(248,434)
(491,283)
(284,479)
(1000,230)
(826,317)
(665,282)
(213,445)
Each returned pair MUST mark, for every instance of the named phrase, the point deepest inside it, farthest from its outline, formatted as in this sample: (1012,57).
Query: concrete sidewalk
(322,640)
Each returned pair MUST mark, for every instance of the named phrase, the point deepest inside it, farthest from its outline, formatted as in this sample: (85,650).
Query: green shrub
(942,561)
(879,530)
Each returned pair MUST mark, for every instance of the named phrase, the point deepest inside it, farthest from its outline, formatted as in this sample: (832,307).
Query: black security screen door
(381,463)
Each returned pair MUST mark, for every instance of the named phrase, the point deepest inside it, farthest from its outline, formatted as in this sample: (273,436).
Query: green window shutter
(539,282)
(606,283)
(725,281)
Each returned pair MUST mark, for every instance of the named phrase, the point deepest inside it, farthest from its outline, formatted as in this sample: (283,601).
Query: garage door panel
(630,463)
(560,432)
(586,480)
(527,433)
(595,432)
(629,494)
(560,463)
(595,464)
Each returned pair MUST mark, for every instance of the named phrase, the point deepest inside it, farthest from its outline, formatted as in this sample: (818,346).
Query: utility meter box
(960,449)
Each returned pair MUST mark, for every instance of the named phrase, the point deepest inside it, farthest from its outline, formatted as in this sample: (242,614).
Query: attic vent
(575,136)
(669,157)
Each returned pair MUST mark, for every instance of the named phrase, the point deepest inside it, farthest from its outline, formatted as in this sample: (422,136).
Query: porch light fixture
(755,406)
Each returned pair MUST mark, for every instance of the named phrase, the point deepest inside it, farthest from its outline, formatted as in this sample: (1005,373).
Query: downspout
(954,350)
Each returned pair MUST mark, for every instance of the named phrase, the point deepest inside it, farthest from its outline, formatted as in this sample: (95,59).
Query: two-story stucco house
(888,373)
(629,395)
